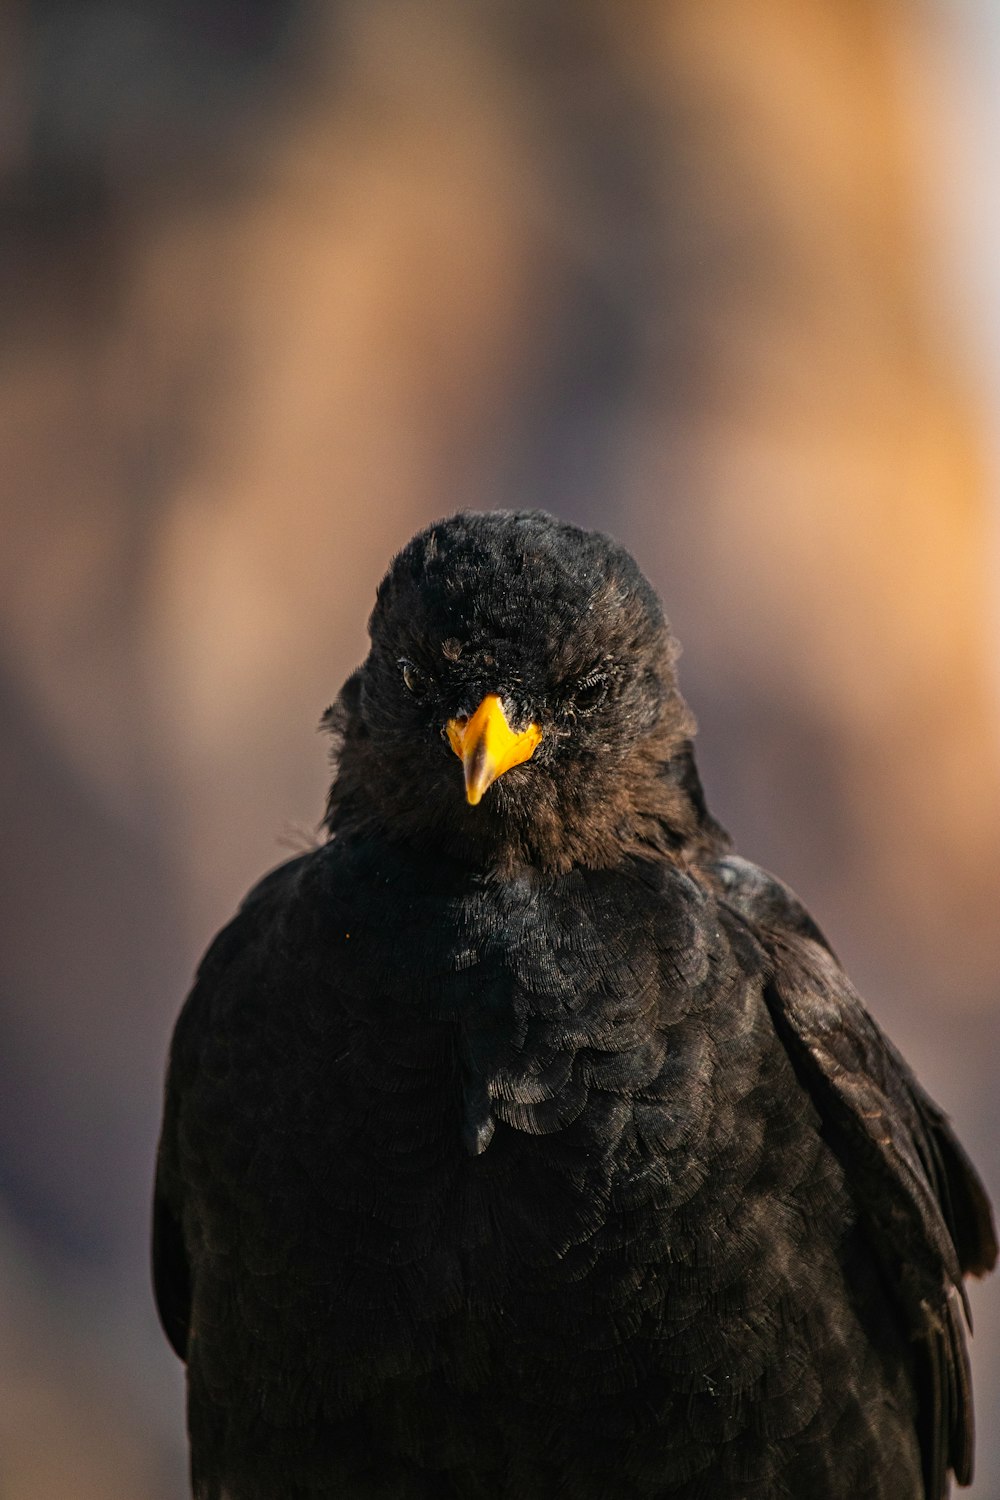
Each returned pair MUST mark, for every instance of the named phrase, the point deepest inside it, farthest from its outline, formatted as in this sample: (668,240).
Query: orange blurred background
(281,282)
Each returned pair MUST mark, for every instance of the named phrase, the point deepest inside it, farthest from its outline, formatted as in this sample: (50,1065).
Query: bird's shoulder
(294,929)
(839,1047)
(763,899)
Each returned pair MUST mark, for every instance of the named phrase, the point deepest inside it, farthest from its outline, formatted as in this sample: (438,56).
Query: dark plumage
(541,1147)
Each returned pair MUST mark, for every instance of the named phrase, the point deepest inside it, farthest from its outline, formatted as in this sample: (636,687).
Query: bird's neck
(658,811)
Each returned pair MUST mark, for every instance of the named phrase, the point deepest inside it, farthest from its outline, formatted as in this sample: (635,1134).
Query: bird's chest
(473,1090)
(477,1133)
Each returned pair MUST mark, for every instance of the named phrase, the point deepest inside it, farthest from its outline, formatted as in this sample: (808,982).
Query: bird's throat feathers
(646,802)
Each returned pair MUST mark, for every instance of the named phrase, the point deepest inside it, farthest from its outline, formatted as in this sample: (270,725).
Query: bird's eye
(590,693)
(413,678)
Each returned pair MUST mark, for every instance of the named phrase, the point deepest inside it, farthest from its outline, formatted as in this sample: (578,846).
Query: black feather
(542,1148)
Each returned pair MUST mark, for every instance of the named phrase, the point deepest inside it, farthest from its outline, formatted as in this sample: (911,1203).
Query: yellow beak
(487,746)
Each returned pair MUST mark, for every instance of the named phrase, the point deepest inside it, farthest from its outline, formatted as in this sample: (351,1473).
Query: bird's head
(518,705)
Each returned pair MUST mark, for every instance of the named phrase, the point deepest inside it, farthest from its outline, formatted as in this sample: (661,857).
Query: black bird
(521,1141)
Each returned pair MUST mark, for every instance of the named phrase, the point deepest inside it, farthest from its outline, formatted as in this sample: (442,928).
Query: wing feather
(246,933)
(928,1215)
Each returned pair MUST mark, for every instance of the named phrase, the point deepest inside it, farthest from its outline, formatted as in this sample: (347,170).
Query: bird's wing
(927,1213)
(171,1275)
(249,932)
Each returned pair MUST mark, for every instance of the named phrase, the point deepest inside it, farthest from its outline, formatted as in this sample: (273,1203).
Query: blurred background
(281,282)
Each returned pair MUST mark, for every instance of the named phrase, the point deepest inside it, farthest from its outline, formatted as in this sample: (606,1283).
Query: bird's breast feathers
(492,1052)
